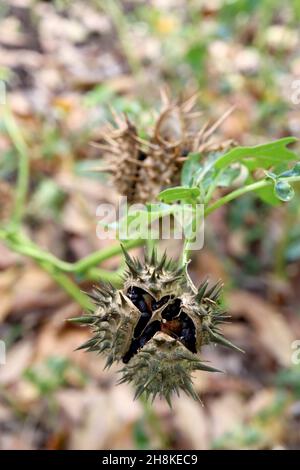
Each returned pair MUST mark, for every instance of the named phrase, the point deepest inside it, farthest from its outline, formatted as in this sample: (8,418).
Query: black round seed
(149,332)
(188,332)
(138,343)
(156,304)
(134,346)
(134,294)
(137,297)
(141,324)
(185,152)
(142,156)
(172,310)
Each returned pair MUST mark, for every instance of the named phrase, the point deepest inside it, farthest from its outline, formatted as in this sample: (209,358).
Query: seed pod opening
(156,325)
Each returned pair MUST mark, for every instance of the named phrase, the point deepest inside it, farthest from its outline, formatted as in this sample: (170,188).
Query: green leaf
(135,223)
(195,56)
(179,193)
(190,168)
(284,190)
(259,156)
(228,176)
(295,171)
(268,195)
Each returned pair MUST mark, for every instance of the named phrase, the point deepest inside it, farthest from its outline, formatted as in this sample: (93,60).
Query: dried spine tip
(156,325)
(140,168)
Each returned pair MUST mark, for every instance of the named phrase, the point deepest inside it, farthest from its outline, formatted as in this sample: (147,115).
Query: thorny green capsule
(156,325)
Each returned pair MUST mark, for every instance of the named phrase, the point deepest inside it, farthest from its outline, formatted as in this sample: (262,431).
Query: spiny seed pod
(156,325)
(171,141)
(141,168)
(124,155)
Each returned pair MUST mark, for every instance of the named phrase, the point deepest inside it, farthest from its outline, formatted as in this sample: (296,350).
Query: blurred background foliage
(64,65)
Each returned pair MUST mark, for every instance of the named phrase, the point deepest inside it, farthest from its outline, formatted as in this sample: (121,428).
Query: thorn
(201,290)
(141,141)
(168,399)
(109,362)
(129,261)
(115,115)
(104,346)
(165,96)
(138,392)
(122,381)
(204,367)
(90,343)
(153,275)
(200,135)
(144,386)
(221,340)
(105,147)
(94,297)
(219,122)
(168,264)
(88,319)
(162,262)
(189,390)
(153,259)
(190,103)
(215,291)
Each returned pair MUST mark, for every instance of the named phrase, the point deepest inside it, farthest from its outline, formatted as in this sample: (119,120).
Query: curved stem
(246,189)
(102,255)
(96,274)
(230,197)
(68,285)
(185,252)
(23,166)
(20,243)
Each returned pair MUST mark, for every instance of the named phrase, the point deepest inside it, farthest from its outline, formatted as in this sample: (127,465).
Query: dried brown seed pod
(124,155)
(156,325)
(141,168)
(171,141)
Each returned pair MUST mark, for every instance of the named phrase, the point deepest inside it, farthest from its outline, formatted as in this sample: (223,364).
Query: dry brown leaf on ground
(270,326)
(56,337)
(45,293)
(191,416)
(103,417)
(226,412)
(7,282)
(208,264)
(18,357)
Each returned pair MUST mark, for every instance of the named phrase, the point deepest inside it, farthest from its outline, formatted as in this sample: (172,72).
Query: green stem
(107,253)
(213,186)
(68,285)
(25,246)
(185,252)
(23,166)
(96,274)
(246,189)
(194,226)
(53,266)
(230,197)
